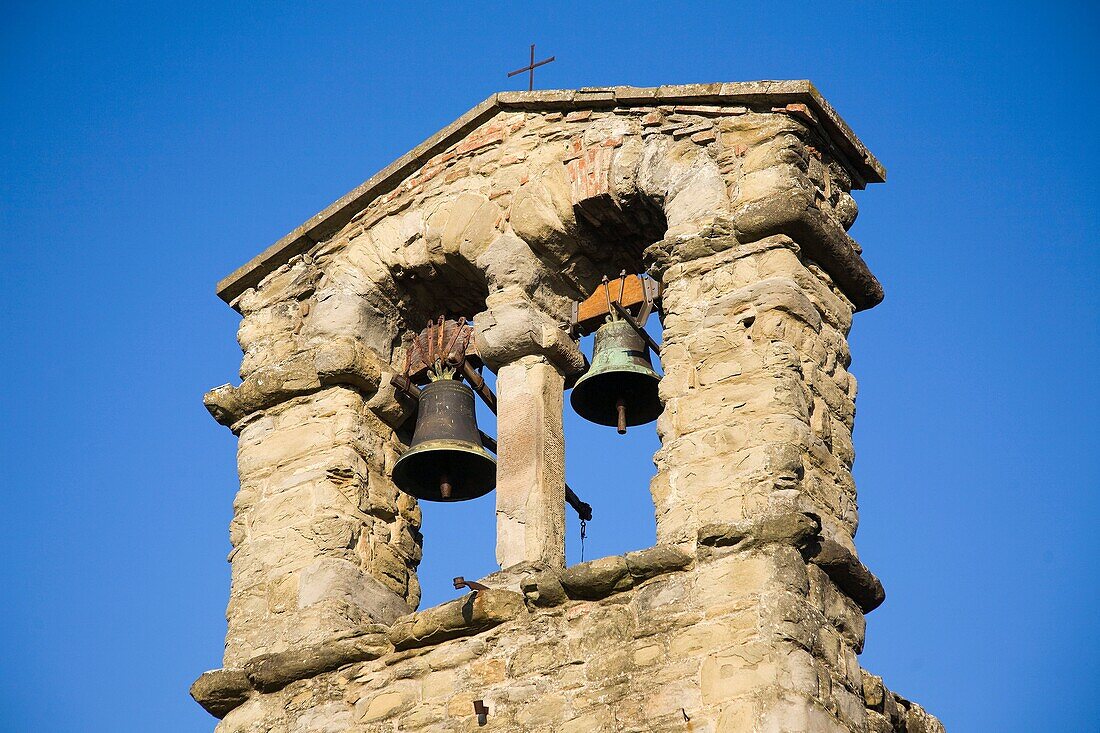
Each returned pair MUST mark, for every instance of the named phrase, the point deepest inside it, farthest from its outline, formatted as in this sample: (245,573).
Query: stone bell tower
(748,614)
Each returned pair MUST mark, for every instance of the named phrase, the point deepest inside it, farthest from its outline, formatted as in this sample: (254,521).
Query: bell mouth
(468,469)
(595,399)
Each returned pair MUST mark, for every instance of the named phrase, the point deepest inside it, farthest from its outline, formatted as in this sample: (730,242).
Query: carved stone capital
(509,331)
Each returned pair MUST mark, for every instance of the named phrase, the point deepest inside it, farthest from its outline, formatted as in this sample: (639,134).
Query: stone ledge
(792,528)
(219,691)
(270,672)
(597,579)
(472,614)
(791,212)
(784,219)
(865,167)
(888,712)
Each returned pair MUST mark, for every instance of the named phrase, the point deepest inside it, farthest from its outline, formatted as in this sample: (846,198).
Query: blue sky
(147,150)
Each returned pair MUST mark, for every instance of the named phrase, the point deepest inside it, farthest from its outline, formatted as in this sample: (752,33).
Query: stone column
(530,354)
(531,464)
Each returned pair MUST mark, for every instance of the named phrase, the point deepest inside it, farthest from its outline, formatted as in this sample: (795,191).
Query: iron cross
(530,69)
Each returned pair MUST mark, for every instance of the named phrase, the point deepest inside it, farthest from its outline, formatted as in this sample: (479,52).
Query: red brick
(798,110)
(456,173)
(491,136)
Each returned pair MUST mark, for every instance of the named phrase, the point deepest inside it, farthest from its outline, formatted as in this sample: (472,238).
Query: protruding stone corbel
(850,575)
(221,690)
(338,362)
(801,530)
(786,207)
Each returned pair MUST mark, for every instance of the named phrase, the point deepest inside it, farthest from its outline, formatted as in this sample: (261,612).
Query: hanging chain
(584,531)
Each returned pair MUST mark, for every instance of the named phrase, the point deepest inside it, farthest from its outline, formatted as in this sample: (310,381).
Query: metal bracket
(481,710)
(625,315)
(473,585)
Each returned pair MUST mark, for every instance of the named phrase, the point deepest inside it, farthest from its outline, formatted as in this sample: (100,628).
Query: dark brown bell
(446,460)
(620,388)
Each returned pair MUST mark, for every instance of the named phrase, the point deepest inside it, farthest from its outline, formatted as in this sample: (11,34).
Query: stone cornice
(860,162)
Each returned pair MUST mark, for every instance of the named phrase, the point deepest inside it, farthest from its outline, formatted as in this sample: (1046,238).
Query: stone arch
(594,211)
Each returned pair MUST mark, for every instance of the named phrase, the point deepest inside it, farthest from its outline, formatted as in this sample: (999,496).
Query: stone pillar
(323,543)
(759,405)
(530,354)
(756,435)
(531,464)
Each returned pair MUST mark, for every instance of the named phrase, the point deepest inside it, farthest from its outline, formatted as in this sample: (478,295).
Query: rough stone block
(850,575)
(221,690)
(269,672)
(333,578)
(597,578)
(653,561)
(472,614)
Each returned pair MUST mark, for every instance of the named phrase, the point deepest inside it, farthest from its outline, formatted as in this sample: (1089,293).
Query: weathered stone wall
(759,405)
(651,641)
(749,614)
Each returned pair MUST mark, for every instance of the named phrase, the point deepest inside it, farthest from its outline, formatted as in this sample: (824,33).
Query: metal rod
(647,300)
(620,407)
(479,386)
(488,441)
(460,583)
(625,314)
(405,386)
(583,509)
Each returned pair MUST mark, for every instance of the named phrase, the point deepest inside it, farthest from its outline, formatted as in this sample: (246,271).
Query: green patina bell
(620,388)
(446,460)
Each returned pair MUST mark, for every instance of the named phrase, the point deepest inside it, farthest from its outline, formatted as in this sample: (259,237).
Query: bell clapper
(620,407)
(445,486)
